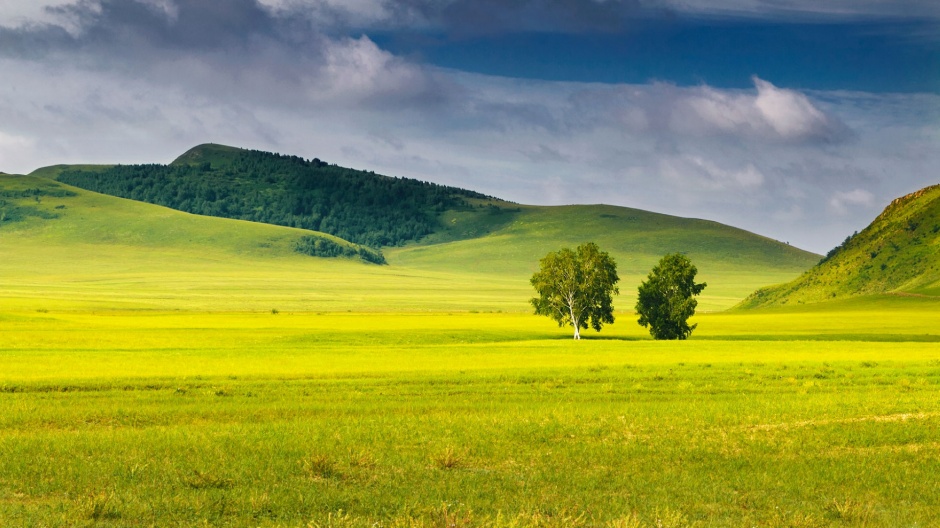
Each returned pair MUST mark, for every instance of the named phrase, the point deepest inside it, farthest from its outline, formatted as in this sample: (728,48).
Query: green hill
(898,253)
(227,182)
(479,256)
(75,250)
(734,262)
(37,208)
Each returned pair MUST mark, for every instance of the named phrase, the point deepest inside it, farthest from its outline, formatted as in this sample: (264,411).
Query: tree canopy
(576,287)
(666,300)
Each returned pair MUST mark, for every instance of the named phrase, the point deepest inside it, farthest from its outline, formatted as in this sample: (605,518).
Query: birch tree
(576,287)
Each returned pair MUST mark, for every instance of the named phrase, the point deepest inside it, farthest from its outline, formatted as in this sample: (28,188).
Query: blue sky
(876,56)
(796,119)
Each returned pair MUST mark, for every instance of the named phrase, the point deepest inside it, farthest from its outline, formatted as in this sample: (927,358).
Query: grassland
(162,369)
(178,419)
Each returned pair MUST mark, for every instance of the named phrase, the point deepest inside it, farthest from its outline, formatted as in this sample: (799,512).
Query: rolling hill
(479,256)
(227,182)
(898,253)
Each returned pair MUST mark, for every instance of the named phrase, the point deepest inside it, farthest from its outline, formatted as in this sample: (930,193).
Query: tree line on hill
(358,206)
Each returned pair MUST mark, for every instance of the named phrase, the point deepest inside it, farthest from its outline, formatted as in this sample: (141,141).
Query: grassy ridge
(899,252)
(463,232)
(84,218)
(103,253)
(106,253)
(732,261)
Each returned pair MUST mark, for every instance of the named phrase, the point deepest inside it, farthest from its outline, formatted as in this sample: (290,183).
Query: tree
(665,301)
(575,287)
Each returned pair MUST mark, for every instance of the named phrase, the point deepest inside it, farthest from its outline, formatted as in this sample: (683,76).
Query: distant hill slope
(39,209)
(228,182)
(481,257)
(733,261)
(452,231)
(899,252)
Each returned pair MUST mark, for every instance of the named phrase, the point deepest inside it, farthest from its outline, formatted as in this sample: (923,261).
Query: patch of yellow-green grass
(69,345)
(112,277)
(396,419)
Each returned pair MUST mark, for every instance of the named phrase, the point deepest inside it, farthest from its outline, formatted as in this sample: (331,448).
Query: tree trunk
(574,321)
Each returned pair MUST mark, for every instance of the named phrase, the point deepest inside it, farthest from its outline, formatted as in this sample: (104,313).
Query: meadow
(162,369)
(402,419)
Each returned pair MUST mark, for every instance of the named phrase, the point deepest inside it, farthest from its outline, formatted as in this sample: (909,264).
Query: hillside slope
(39,210)
(482,252)
(899,252)
(228,182)
(72,249)
(734,262)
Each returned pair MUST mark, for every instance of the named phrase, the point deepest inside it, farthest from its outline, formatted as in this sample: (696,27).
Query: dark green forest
(361,207)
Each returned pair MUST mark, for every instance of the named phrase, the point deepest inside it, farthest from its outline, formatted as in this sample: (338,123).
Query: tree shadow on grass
(584,337)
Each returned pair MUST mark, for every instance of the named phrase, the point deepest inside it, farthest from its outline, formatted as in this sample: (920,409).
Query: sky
(796,119)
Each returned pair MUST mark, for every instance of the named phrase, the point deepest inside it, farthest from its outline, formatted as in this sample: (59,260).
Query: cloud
(772,114)
(470,18)
(485,17)
(15,149)
(360,70)
(843,200)
(240,49)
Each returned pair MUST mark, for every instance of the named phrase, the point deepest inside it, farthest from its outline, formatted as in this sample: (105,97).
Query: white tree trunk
(574,320)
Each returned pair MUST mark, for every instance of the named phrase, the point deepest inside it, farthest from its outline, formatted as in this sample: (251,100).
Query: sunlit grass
(169,371)
(261,419)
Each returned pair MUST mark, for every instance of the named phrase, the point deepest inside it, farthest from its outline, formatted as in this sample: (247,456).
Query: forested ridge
(358,206)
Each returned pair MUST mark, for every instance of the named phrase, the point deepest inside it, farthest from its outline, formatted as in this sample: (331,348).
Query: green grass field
(161,369)
(140,419)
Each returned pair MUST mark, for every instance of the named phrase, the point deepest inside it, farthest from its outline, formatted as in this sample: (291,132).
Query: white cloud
(772,114)
(357,70)
(790,114)
(842,201)
(695,173)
